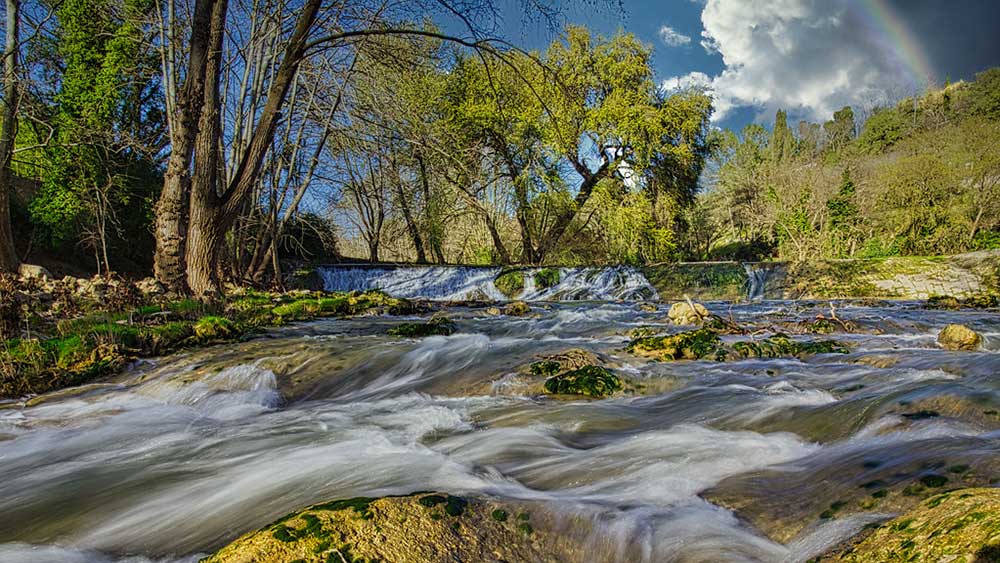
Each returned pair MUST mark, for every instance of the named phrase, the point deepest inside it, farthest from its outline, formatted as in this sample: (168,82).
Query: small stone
(959,337)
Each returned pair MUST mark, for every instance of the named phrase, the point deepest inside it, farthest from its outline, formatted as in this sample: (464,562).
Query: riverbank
(73,331)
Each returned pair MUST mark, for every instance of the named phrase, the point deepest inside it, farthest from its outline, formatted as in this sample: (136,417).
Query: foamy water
(171,463)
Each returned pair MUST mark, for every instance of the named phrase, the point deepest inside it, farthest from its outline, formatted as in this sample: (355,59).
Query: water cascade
(757,275)
(448,283)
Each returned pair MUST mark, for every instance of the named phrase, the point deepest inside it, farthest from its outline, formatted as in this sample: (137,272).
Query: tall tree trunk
(435,236)
(213,215)
(171,209)
(563,220)
(411,225)
(203,237)
(8,256)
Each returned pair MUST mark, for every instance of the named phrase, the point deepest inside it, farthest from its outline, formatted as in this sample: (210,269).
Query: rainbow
(885,22)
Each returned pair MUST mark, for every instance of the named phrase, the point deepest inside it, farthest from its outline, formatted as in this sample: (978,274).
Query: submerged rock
(685,313)
(517,309)
(959,337)
(437,326)
(975,301)
(591,381)
(957,526)
(424,528)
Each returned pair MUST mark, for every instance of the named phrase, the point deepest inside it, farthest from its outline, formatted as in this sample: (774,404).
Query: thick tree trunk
(562,222)
(528,252)
(204,232)
(8,131)
(171,209)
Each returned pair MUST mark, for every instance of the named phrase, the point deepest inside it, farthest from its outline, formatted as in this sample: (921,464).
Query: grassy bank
(61,348)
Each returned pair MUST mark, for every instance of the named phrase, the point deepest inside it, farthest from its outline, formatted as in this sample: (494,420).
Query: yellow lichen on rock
(421,528)
(959,337)
(685,313)
(957,526)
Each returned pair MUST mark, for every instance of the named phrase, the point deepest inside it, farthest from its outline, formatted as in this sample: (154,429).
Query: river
(178,456)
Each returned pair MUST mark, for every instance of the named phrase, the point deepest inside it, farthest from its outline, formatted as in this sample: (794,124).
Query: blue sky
(809,57)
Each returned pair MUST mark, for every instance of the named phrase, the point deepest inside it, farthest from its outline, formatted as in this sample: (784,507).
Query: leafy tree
(840,130)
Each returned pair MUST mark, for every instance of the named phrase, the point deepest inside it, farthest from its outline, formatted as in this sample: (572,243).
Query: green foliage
(882,130)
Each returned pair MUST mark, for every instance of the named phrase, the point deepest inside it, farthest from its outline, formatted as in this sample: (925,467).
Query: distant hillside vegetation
(917,178)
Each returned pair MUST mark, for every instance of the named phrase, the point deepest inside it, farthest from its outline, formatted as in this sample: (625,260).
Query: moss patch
(590,381)
(438,326)
(546,278)
(510,283)
(706,344)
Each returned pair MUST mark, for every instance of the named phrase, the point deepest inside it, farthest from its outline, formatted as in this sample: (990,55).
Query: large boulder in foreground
(957,526)
(421,528)
(959,337)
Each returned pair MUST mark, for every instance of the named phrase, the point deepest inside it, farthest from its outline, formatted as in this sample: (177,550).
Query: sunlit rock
(959,337)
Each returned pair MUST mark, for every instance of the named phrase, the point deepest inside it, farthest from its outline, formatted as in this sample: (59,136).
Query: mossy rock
(960,525)
(683,313)
(780,346)
(546,278)
(424,528)
(568,360)
(438,326)
(705,344)
(590,381)
(698,344)
(510,283)
(976,301)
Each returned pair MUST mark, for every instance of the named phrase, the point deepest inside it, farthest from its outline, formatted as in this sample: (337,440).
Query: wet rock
(780,346)
(961,525)
(643,332)
(646,307)
(517,309)
(437,326)
(510,282)
(493,311)
(421,528)
(591,381)
(690,345)
(546,278)
(959,337)
(572,359)
(974,301)
(684,313)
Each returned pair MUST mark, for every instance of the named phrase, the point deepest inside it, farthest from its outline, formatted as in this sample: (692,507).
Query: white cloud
(809,57)
(672,37)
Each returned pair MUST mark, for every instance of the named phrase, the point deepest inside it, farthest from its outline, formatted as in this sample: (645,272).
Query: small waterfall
(756,279)
(454,283)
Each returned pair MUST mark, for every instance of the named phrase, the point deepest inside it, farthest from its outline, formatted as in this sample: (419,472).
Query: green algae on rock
(961,525)
(437,326)
(568,360)
(428,527)
(546,278)
(689,345)
(510,282)
(591,381)
(705,343)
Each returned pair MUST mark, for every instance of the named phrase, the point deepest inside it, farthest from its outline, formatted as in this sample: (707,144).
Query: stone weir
(884,278)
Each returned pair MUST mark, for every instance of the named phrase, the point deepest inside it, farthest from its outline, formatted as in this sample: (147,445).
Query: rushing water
(454,283)
(179,456)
